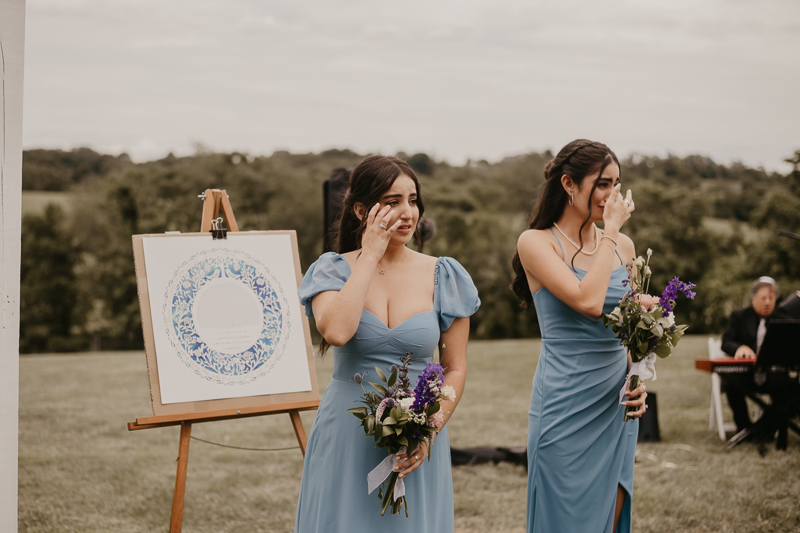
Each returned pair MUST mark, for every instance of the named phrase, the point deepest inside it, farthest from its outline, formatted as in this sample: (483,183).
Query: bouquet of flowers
(646,324)
(399,418)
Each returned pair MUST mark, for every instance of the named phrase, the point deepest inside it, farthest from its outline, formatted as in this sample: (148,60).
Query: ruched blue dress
(333,491)
(579,449)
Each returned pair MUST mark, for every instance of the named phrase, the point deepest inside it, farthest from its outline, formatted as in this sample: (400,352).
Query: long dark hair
(369,181)
(577,160)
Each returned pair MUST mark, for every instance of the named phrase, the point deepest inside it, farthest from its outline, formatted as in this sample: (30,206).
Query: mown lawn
(35,202)
(80,470)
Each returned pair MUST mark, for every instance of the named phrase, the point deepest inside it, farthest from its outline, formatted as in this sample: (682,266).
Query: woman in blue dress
(580,452)
(374,300)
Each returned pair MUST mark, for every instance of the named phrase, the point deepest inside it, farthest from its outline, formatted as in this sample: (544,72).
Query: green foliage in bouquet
(642,323)
(393,426)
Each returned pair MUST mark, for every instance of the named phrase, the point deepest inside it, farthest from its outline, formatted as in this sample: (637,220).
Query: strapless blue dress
(333,491)
(579,449)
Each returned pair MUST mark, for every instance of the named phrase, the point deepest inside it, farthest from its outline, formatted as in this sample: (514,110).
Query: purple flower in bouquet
(670,294)
(427,389)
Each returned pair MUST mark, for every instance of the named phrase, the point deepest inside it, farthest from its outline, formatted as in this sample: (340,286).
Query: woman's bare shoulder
(624,240)
(423,259)
(626,247)
(423,263)
(535,238)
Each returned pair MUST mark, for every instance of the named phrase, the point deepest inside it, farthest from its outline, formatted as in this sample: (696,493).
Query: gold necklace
(597,243)
(383,271)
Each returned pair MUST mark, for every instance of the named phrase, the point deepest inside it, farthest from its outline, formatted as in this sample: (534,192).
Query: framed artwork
(222,322)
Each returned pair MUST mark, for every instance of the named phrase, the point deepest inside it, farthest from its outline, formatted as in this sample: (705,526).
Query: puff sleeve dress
(333,491)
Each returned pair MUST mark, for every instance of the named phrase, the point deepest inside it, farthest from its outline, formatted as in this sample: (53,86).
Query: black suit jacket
(742,329)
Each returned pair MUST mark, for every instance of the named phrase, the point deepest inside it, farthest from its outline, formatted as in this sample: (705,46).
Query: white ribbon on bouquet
(383,471)
(645,369)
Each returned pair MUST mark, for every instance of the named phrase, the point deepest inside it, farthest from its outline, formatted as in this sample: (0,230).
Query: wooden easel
(216,200)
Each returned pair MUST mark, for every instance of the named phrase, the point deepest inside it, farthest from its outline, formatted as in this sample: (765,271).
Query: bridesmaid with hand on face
(580,452)
(374,300)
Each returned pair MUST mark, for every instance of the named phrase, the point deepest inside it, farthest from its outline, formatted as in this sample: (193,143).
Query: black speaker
(648,423)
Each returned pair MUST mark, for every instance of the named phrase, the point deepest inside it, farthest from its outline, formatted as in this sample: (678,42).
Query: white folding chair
(715,422)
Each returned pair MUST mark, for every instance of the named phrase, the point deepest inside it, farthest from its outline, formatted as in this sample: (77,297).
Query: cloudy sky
(456,79)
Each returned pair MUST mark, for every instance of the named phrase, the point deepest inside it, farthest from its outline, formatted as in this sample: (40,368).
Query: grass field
(80,470)
(726,228)
(35,202)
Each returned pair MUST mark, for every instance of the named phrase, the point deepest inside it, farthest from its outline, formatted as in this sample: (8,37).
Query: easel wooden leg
(299,430)
(180,479)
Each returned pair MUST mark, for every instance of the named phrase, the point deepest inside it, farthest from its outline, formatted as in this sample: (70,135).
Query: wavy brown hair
(578,159)
(369,181)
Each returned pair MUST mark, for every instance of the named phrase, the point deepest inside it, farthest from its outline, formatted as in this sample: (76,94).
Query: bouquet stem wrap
(633,383)
(644,369)
(396,488)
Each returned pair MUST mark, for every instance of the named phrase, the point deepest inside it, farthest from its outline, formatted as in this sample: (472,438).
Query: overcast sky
(456,79)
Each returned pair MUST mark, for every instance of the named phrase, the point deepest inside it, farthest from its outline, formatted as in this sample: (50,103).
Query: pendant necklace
(382,271)
(597,243)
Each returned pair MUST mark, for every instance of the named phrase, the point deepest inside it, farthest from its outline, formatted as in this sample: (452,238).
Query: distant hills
(708,223)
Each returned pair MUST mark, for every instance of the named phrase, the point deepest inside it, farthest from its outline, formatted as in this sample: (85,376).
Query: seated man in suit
(743,338)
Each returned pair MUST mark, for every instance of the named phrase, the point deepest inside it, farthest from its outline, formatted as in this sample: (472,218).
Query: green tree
(777,256)
(794,175)
(58,170)
(48,291)
(708,223)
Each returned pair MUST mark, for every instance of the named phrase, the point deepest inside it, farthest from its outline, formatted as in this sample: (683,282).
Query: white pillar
(12,48)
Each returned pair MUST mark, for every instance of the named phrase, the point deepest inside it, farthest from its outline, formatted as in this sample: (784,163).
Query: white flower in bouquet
(449,393)
(406,403)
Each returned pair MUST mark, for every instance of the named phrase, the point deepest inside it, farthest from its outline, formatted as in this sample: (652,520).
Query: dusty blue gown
(579,449)
(333,491)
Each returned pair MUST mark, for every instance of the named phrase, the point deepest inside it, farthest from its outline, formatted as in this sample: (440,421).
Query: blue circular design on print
(235,360)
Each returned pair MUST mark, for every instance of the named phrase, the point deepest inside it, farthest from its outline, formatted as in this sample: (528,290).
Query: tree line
(713,224)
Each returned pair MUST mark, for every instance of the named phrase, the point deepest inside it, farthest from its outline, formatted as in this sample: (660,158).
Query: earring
(571,201)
